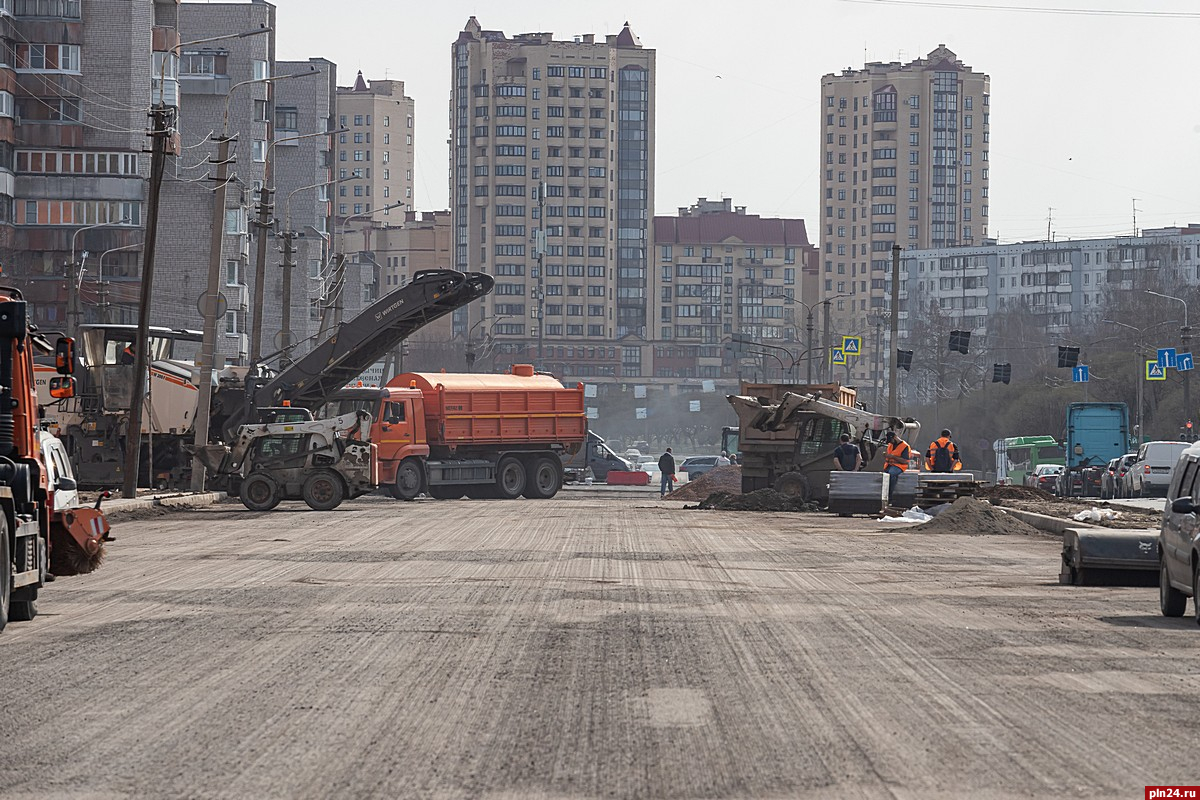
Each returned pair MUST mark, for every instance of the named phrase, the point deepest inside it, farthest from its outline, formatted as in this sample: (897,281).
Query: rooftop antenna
(1135,210)
(1049,219)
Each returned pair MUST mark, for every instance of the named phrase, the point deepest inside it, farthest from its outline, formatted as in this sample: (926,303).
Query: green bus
(1021,455)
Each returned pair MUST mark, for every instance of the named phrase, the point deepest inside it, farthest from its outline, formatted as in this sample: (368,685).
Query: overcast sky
(1089,110)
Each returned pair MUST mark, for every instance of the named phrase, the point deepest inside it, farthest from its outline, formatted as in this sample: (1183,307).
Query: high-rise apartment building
(375,153)
(905,162)
(76,85)
(571,262)
(722,276)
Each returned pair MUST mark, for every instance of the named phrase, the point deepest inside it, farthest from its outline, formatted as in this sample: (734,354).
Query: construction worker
(895,460)
(666,465)
(847,456)
(129,354)
(942,455)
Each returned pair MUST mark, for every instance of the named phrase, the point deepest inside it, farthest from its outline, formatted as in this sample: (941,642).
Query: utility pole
(894,330)
(1185,338)
(208,349)
(73,311)
(162,121)
(810,345)
(331,311)
(263,225)
(286,333)
(878,368)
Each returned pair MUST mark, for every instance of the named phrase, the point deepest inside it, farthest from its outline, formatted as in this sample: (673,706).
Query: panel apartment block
(904,156)
(74,90)
(576,117)
(723,277)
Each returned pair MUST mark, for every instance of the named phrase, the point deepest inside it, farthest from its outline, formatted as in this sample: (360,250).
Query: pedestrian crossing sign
(839,356)
(1155,371)
(851,345)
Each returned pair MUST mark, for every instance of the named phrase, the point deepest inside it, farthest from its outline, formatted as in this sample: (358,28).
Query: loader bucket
(215,458)
(1109,557)
(77,541)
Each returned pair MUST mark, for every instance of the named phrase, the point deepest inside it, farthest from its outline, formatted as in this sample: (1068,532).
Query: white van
(1151,473)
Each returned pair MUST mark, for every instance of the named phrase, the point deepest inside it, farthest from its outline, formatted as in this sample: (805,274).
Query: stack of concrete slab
(857,492)
(935,488)
(906,490)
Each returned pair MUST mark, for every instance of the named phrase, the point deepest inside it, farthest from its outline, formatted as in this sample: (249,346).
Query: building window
(260,70)
(47,57)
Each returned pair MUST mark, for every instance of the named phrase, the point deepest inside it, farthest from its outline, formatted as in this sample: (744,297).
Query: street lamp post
(74,276)
(827,356)
(1185,338)
(101,292)
(208,347)
(334,305)
(1139,350)
(471,354)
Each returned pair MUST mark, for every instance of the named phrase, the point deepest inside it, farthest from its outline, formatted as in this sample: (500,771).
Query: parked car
(697,466)
(1178,545)
(1123,477)
(1045,477)
(1151,473)
(1108,480)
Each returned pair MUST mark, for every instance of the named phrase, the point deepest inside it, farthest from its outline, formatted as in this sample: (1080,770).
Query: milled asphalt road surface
(587,647)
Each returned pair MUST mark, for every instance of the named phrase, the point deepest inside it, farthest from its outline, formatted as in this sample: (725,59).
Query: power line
(1084,12)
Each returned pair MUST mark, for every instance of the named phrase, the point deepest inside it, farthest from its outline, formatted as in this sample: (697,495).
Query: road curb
(1056,525)
(122,506)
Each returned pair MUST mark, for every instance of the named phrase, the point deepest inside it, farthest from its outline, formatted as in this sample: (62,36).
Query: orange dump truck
(483,436)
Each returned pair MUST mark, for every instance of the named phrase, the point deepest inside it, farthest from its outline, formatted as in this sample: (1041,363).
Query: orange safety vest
(897,455)
(940,442)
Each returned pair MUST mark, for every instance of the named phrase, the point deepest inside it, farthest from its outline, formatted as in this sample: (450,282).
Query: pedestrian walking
(723,459)
(895,460)
(942,455)
(847,456)
(666,465)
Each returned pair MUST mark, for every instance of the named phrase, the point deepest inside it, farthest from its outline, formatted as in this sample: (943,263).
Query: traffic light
(1068,357)
(960,341)
(1001,373)
(904,360)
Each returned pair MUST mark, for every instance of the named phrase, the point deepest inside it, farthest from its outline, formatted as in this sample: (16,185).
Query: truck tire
(1171,601)
(410,479)
(25,609)
(259,493)
(323,490)
(795,485)
(510,478)
(5,573)
(544,480)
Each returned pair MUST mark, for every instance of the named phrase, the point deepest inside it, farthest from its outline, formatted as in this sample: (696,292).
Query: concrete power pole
(208,349)
(289,263)
(263,225)
(162,121)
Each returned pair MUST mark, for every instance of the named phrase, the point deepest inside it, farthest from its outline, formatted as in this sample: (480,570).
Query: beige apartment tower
(904,153)
(575,118)
(375,153)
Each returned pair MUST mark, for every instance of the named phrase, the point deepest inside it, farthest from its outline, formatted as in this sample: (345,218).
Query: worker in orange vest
(942,455)
(895,460)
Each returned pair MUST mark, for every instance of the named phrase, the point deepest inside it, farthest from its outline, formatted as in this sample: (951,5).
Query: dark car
(1108,480)
(1047,478)
(697,466)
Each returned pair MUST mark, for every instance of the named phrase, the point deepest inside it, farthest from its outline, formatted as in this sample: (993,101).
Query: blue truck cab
(1095,434)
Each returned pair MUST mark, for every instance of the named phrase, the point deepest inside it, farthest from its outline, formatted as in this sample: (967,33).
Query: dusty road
(587,648)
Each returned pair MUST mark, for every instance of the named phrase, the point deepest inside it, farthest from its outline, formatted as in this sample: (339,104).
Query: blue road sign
(1183,362)
(1080,374)
(1166,357)
(839,356)
(851,345)
(1155,371)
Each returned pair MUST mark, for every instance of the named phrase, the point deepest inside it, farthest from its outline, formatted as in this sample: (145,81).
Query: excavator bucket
(77,541)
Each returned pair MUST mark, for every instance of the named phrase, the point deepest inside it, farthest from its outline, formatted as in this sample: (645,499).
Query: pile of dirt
(727,479)
(997,494)
(968,515)
(761,500)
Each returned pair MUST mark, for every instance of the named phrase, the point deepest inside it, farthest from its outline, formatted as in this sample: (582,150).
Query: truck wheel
(259,493)
(510,478)
(323,490)
(5,573)
(544,481)
(409,477)
(26,609)
(794,485)
(1171,601)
